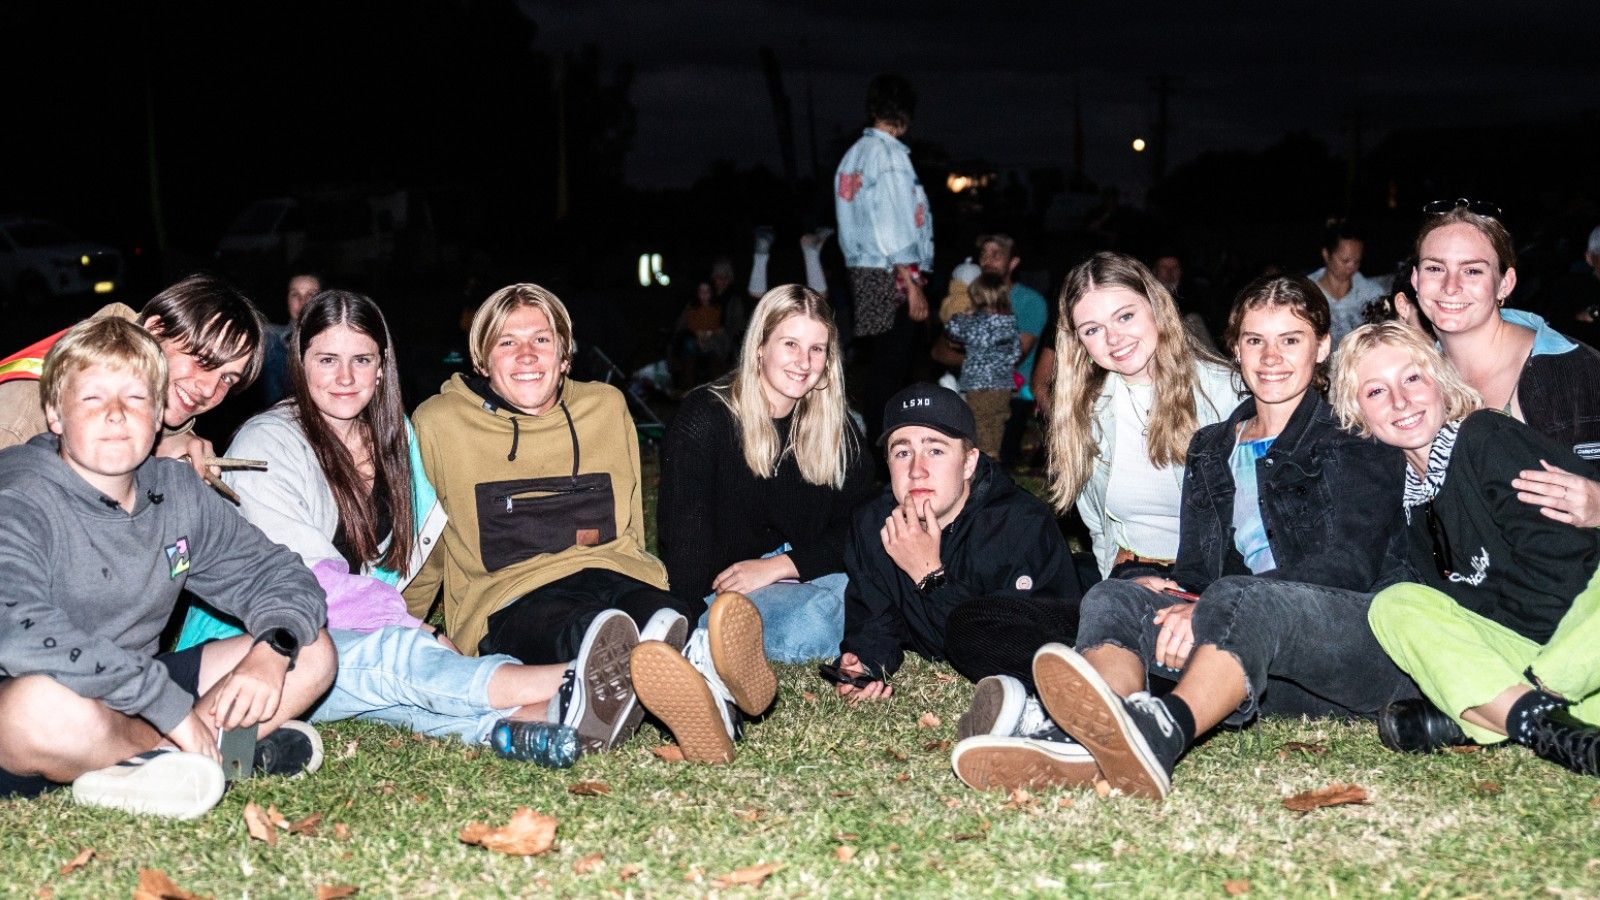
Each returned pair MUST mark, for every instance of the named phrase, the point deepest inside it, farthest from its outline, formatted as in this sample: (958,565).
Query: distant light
(958,184)
(644,270)
(104,287)
(1138,145)
(650,271)
(84,259)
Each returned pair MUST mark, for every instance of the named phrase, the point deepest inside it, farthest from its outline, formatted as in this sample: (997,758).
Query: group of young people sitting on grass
(1411,538)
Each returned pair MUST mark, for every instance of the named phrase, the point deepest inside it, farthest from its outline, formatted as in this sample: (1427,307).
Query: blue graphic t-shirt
(1249,532)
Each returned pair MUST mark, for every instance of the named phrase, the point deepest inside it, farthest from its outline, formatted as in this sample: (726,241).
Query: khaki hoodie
(503,538)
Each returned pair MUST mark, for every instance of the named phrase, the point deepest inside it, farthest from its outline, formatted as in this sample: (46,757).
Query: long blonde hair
(1079,382)
(820,438)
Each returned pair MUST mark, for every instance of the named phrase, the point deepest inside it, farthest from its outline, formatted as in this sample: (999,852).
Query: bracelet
(932,581)
(281,642)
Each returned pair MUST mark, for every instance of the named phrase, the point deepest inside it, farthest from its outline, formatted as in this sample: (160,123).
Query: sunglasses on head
(1476,207)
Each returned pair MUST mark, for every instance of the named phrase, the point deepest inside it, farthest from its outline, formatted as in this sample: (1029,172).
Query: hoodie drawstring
(516,434)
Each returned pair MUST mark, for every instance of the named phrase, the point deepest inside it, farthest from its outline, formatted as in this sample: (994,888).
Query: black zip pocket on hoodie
(521,519)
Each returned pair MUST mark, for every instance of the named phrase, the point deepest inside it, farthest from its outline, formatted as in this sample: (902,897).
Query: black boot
(1417,726)
(1564,740)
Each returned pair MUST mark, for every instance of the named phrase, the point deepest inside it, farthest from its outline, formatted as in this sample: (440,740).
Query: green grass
(817,775)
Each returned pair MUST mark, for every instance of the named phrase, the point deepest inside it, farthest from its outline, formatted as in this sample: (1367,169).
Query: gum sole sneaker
(1081,702)
(605,711)
(989,762)
(997,704)
(170,783)
(676,693)
(666,625)
(737,652)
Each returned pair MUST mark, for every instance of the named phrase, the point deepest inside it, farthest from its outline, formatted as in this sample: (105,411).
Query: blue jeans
(799,621)
(403,677)
(1305,649)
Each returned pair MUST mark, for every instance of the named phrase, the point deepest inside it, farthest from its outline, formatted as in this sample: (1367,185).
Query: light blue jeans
(403,677)
(801,621)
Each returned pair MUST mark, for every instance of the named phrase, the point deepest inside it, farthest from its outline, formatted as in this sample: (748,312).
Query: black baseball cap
(932,406)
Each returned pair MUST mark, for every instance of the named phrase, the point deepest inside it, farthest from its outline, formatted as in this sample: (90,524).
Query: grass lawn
(852,801)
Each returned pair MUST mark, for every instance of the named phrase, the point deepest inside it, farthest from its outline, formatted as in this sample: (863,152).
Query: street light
(1138,145)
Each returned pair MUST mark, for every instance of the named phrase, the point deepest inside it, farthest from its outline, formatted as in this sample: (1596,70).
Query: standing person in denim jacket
(1285,527)
(1466,268)
(886,234)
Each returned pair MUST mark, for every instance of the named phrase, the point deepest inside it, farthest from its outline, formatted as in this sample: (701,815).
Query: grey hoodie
(86,587)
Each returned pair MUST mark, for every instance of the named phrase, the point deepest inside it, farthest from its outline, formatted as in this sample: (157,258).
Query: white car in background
(40,260)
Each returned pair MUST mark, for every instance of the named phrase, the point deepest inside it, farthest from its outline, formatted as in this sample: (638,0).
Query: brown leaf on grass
(902,778)
(1464,748)
(751,875)
(341,831)
(388,789)
(1064,802)
(1488,788)
(45,892)
(937,746)
(307,826)
(808,696)
(1594,802)
(527,834)
(260,827)
(973,836)
(629,871)
(753,814)
(1102,787)
(894,754)
(336,891)
(276,818)
(846,836)
(155,885)
(586,864)
(844,854)
(1336,794)
(1301,747)
(350,749)
(1019,799)
(946,677)
(1236,886)
(843,794)
(78,862)
(668,752)
(589,789)
(951,803)
(929,720)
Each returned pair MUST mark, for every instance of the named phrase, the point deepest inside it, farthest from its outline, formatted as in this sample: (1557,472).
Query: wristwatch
(281,642)
(932,581)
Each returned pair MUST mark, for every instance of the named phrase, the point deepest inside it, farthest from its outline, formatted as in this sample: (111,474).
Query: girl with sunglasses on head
(1500,619)
(1518,364)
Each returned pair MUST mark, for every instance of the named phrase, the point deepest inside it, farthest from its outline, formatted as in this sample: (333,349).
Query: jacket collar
(1311,408)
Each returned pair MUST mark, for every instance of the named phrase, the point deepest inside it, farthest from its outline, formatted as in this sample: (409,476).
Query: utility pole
(781,113)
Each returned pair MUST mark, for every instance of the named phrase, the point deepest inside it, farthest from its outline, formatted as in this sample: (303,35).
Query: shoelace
(698,652)
(563,698)
(1156,710)
(1034,719)
(1580,747)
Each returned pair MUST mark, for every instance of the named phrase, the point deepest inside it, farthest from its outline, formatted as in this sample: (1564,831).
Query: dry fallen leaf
(1307,749)
(751,875)
(844,854)
(669,752)
(155,885)
(951,803)
(846,836)
(628,871)
(753,814)
(946,677)
(1336,794)
(589,789)
(1464,748)
(808,697)
(1063,802)
(336,891)
(894,754)
(78,862)
(1488,788)
(350,749)
(1102,787)
(586,864)
(307,826)
(527,834)
(1594,802)
(45,892)
(260,827)
(341,831)
(1020,798)
(843,794)
(929,720)
(962,838)
(1236,886)
(937,746)
(902,778)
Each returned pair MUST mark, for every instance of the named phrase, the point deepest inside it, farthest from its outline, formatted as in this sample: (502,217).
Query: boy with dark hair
(97,542)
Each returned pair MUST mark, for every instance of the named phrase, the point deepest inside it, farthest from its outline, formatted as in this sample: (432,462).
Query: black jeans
(888,368)
(999,635)
(546,625)
(1311,639)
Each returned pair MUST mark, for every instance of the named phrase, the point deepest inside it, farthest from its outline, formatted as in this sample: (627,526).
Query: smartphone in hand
(833,673)
(1181,595)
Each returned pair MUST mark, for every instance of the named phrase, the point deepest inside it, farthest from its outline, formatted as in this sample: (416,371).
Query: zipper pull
(508,503)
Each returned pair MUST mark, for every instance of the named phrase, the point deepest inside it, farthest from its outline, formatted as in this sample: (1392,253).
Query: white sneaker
(998,706)
(992,762)
(596,696)
(668,626)
(164,782)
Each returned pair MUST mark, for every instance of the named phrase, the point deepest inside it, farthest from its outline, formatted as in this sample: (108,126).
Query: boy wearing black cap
(951,531)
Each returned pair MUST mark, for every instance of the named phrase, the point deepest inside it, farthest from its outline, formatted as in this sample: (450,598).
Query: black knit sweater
(715,512)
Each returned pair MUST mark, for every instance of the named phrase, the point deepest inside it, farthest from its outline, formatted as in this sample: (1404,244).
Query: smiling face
(1458,279)
(1344,261)
(342,368)
(107,424)
(1400,403)
(792,361)
(193,389)
(1117,328)
(1278,354)
(928,466)
(524,366)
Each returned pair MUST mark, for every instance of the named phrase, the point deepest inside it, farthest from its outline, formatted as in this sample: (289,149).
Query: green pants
(1461,660)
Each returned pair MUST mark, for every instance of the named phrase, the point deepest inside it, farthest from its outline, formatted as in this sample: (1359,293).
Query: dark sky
(998,81)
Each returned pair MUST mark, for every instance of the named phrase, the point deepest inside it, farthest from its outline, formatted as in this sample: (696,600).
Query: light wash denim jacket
(884,219)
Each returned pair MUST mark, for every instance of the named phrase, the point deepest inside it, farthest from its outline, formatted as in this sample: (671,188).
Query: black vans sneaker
(293,748)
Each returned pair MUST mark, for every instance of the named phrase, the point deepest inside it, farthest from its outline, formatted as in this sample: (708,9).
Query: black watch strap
(932,581)
(282,643)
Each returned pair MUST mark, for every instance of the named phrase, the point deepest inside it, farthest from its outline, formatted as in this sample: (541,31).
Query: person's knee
(35,711)
(1397,606)
(317,664)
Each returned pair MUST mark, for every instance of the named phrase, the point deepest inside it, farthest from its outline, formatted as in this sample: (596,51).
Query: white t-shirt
(1139,495)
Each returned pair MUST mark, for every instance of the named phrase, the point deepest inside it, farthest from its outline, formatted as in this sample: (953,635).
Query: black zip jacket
(1330,502)
(1005,542)
(1507,562)
(1560,398)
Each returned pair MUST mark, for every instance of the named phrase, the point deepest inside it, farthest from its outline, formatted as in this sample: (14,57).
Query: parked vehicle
(40,260)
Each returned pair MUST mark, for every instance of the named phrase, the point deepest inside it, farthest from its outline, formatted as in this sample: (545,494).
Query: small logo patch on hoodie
(178,556)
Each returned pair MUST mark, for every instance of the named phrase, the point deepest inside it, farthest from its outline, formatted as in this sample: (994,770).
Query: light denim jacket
(884,219)
(1215,397)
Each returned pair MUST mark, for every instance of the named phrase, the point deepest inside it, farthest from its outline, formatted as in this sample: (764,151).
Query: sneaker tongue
(698,652)
(1034,719)
(555,712)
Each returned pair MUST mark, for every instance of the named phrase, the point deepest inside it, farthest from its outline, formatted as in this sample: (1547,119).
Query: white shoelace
(1156,710)
(1034,719)
(698,652)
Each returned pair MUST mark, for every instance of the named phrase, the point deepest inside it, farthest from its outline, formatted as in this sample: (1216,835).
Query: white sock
(814,277)
(758,274)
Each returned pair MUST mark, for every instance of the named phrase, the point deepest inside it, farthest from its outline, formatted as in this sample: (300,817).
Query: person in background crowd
(274,383)
(988,331)
(1347,290)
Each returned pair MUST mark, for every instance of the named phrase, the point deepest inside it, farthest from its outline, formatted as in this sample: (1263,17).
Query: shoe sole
(987,762)
(175,785)
(735,637)
(987,709)
(1081,702)
(609,704)
(315,762)
(675,692)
